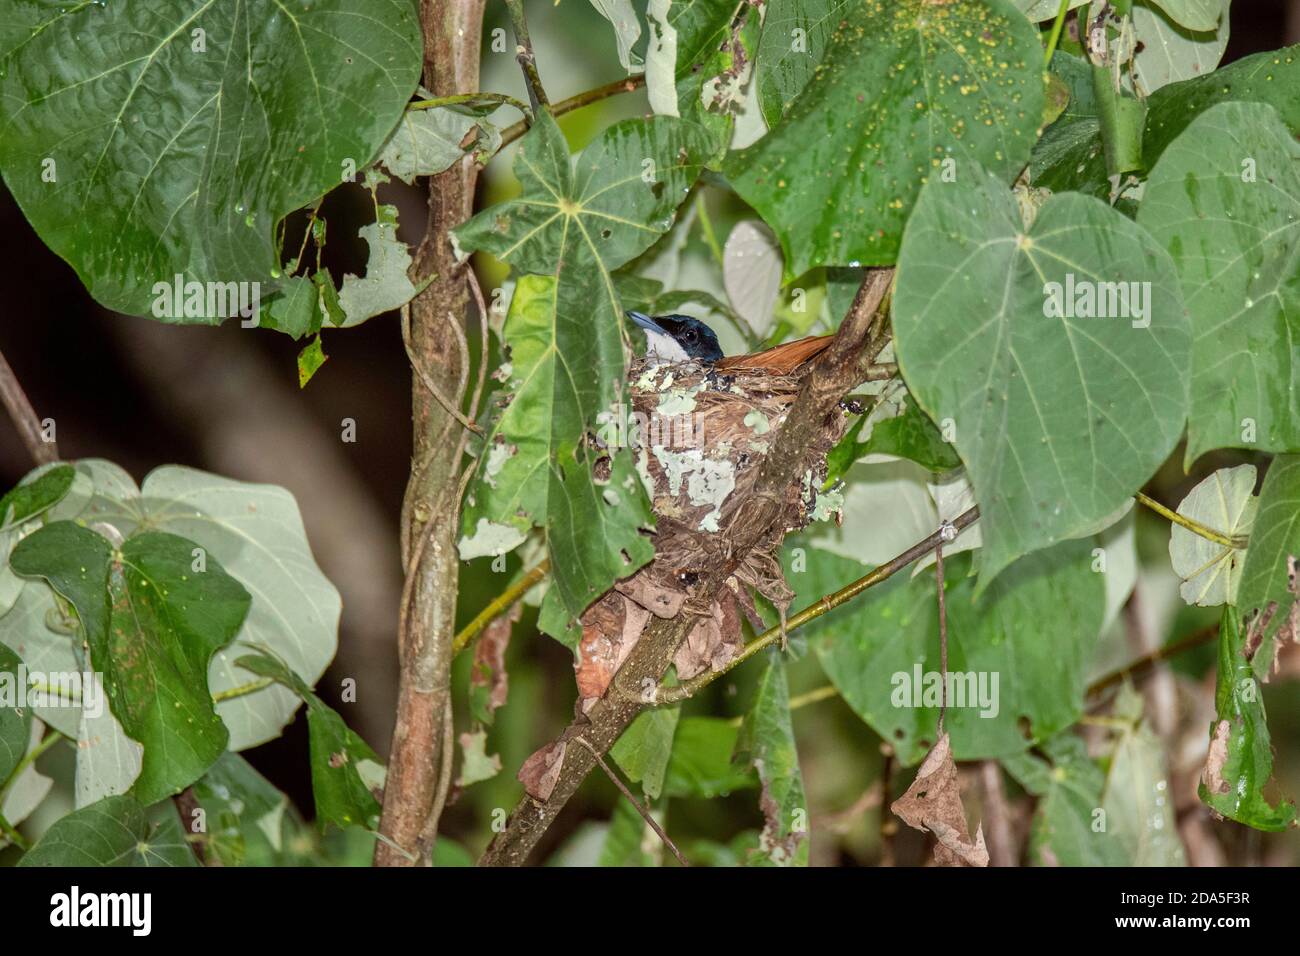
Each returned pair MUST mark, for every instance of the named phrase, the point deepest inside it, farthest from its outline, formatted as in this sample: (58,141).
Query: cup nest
(700,438)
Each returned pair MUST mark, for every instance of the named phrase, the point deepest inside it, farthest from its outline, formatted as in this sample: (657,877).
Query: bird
(682,338)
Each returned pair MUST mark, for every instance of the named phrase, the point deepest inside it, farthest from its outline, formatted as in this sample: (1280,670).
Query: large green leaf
(152,623)
(1275,542)
(564,332)
(137,137)
(1023,649)
(767,742)
(346,774)
(1225,201)
(256,533)
(906,91)
(116,831)
(1059,416)
(1240,761)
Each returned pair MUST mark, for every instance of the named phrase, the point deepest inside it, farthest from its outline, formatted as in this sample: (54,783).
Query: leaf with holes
(767,743)
(1058,351)
(564,332)
(137,138)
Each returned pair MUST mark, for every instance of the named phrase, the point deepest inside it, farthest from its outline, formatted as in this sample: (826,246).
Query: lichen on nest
(700,438)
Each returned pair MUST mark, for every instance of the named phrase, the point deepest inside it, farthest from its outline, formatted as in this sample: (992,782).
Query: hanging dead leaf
(933,803)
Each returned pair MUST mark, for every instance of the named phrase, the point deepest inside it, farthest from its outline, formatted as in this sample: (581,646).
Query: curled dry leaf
(713,642)
(933,803)
(541,771)
(610,628)
(489,668)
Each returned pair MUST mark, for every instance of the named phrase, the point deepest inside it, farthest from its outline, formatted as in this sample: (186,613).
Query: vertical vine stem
(419,760)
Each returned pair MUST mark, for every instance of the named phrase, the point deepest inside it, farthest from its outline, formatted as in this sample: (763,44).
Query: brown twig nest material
(700,438)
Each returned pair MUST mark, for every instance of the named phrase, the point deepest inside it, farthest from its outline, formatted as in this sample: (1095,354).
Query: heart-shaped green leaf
(137,138)
(1059,351)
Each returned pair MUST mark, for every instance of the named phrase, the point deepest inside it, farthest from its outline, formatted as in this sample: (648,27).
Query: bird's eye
(689,335)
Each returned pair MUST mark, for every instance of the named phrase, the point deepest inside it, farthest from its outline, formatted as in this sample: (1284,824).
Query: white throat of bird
(662,347)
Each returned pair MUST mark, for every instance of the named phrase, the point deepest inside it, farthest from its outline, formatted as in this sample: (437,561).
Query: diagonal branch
(24,416)
(795,447)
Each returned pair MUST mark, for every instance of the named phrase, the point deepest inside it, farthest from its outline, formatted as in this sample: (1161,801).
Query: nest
(700,438)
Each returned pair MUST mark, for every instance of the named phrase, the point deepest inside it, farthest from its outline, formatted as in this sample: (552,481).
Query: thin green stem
(13,835)
(576,102)
(673,695)
(52,738)
(1195,527)
(500,604)
(706,226)
(243,690)
(460,99)
(1055,36)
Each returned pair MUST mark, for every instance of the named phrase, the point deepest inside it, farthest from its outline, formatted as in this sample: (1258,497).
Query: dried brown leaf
(1217,757)
(933,803)
(541,771)
(489,668)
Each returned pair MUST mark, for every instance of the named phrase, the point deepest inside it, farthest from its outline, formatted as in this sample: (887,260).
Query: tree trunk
(420,757)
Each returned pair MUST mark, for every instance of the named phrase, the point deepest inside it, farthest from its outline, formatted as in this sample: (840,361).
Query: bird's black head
(692,336)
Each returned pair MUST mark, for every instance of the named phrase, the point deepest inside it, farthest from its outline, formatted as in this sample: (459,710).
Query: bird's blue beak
(643,320)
